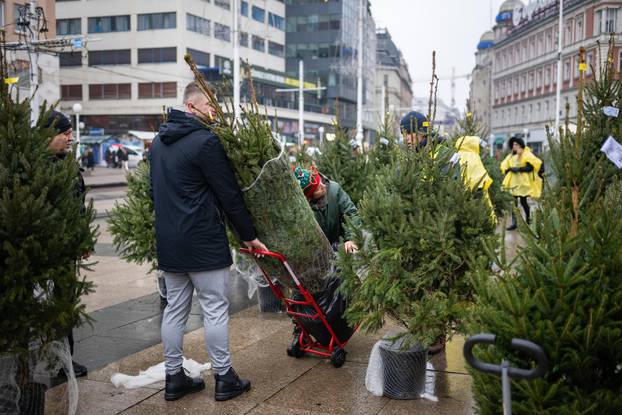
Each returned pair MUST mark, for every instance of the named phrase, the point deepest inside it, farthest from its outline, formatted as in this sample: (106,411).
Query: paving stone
(95,398)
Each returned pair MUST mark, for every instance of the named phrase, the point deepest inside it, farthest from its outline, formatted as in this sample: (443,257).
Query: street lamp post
(77,108)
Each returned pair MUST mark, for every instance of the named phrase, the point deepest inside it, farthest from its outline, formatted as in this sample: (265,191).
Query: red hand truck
(302,341)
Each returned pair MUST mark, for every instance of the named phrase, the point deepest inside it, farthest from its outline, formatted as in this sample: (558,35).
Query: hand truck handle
(264,253)
(526,346)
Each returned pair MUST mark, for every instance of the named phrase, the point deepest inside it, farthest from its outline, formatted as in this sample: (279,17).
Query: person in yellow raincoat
(474,174)
(522,179)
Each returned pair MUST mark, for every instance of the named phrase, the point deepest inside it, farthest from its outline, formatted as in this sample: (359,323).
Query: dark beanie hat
(518,141)
(414,122)
(59,121)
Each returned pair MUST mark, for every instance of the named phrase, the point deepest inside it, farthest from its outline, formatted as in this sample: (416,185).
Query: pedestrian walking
(108,158)
(90,160)
(59,145)
(194,189)
(125,159)
(522,179)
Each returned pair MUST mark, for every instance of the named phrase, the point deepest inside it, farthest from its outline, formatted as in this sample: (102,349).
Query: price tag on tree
(611,112)
(613,151)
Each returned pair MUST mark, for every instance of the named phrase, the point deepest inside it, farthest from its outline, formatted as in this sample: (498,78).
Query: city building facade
(481,81)
(131,63)
(524,61)
(394,93)
(324,35)
(21,58)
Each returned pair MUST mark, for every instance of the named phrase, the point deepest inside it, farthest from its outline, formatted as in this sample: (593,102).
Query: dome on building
(509,5)
(506,10)
(486,41)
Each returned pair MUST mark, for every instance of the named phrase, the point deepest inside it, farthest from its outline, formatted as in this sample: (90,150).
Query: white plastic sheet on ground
(156,374)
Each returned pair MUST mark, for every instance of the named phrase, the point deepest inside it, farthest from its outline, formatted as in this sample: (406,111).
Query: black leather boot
(229,385)
(180,385)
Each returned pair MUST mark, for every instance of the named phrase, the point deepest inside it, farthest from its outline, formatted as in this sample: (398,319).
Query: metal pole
(78,134)
(236,61)
(301,103)
(505,385)
(359,83)
(34,74)
(558,101)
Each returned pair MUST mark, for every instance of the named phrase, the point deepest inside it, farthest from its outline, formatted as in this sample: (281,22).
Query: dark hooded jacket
(193,188)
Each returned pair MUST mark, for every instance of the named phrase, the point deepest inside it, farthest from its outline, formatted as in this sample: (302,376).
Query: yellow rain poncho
(474,174)
(522,183)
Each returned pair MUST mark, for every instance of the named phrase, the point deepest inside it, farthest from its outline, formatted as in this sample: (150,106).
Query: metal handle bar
(264,253)
(530,348)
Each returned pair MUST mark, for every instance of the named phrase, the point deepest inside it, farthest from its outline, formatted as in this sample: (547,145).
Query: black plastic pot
(268,302)
(32,399)
(403,370)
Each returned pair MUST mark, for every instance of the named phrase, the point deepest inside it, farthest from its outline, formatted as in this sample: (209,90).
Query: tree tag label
(613,151)
(611,111)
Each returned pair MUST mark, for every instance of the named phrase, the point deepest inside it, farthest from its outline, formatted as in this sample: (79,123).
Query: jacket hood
(468,143)
(178,125)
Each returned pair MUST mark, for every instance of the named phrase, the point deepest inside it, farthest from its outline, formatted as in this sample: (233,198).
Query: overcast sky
(451,27)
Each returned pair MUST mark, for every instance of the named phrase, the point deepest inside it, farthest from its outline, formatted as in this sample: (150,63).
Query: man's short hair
(191,90)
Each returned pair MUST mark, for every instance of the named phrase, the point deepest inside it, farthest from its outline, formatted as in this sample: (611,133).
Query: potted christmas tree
(44,232)
(425,228)
(564,292)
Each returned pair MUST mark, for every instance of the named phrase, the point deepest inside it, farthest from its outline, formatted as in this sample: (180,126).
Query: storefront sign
(526,12)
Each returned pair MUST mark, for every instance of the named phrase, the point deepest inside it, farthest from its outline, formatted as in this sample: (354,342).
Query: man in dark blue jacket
(194,189)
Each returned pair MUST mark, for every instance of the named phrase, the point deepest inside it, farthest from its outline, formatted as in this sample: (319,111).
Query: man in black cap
(59,145)
(414,127)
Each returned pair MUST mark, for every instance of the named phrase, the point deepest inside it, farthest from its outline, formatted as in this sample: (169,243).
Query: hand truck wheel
(338,357)
(294,350)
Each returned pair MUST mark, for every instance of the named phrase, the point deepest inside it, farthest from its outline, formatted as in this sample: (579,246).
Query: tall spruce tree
(564,292)
(132,222)
(425,225)
(44,231)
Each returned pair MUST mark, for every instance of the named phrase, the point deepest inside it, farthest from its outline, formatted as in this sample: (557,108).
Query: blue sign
(96,131)
(76,43)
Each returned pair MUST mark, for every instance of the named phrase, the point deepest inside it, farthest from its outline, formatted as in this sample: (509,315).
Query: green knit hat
(309,180)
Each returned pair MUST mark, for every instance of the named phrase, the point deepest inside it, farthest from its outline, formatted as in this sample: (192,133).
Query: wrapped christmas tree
(280,211)
(564,292)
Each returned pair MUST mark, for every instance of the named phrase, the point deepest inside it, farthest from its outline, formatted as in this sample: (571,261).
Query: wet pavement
(281,384)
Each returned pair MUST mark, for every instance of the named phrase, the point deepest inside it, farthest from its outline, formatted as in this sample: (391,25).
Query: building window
(223,63)
(199,58)
(2,23)
(523,84)
(106,24)
(110,91)
(276,21)
(198,24)
(516,85)
(157,90)
(547,77)
(259,14)
(259,43)
(109,57)
(276,49)
(567,68)
(531,81)
(157,55)
(154,21)
(225,4)
(549,41)
(244,39)
(606,21)
(579,28)
(71,92)
(244,8)
(568,33)
(222,32)
(64,26)
(70,59)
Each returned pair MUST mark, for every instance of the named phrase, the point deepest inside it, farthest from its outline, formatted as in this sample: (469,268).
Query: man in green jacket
(331,205)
